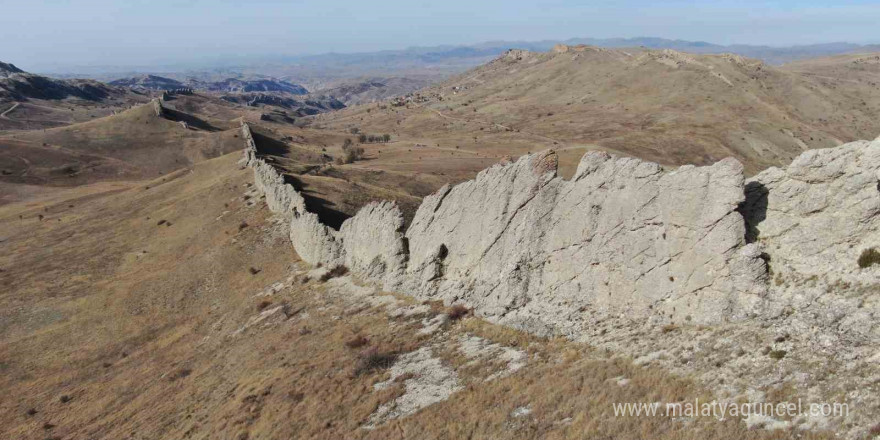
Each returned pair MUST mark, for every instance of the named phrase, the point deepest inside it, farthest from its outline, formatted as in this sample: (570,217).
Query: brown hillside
(133,144)
(664,106)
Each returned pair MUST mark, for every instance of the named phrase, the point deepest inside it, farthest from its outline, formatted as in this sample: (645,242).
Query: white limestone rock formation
(315,242)
(623,237)
(374,244)
(157,107)
(816,216)
(523,246)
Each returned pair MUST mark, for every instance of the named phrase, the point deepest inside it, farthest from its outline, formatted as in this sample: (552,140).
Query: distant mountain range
(434,62)
(229,85)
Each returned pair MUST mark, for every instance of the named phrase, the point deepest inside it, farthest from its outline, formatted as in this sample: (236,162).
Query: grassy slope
(132,144)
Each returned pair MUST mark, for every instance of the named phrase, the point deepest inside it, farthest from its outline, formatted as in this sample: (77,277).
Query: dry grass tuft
(263,304)
(180,373)
(372,359)
(668,328)
(457,312)
(357,342)
(869,258)
(777,354)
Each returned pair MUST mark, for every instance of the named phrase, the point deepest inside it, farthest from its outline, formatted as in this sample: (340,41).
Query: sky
(59,35)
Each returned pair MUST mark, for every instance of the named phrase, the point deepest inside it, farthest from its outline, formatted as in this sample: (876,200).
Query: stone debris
(431,382)
(477,349)
(434,324)
(521,411)
(268,316)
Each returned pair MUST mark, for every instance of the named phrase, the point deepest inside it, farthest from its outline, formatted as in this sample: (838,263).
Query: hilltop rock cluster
(525,247)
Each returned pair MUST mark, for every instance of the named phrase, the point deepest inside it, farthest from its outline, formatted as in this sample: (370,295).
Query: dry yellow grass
(134,144)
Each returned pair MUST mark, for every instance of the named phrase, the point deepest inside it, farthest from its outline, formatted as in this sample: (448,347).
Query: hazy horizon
(60,36)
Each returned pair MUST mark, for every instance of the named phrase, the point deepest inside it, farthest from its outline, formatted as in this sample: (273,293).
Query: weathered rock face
(621,236)
(816,216)
(314,242)
(525,247)
(374,244)
(157,107)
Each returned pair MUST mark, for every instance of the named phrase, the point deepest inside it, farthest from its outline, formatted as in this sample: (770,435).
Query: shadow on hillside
(191,121)
(269,146)
(320,206)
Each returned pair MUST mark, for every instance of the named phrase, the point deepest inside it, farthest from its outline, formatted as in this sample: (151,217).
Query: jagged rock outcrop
(623,237)
(374,244)
(157,107)
(816,216)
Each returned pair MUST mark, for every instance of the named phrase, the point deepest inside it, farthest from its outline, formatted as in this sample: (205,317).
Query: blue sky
(52,35)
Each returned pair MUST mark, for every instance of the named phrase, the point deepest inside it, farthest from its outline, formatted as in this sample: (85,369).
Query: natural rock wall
(815,217)
(374,245)
(623,237)
(157,107)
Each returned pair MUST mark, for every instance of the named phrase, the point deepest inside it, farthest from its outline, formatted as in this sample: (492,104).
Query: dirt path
(9,110)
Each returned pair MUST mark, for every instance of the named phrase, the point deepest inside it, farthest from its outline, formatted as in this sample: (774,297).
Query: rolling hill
(134,144)
(150,82)
(17,85)
(362,91)
(664,106)
(237,85)
(29,101)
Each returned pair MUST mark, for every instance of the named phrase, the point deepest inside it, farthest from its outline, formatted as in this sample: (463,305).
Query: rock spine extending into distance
(525,247)
(157,107)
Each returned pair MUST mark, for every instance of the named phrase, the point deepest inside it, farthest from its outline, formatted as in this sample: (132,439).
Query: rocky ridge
(624,248)
(621,236)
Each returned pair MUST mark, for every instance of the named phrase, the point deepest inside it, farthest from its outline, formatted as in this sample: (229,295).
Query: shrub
(869,258)
(263,304)
(337,271)
(351,155)
(354,130)
(357,342)
(457,312)
(179,374)
(362,138)
(778,354)
(372,359)
(669,328)
(254,270)
(386,137)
